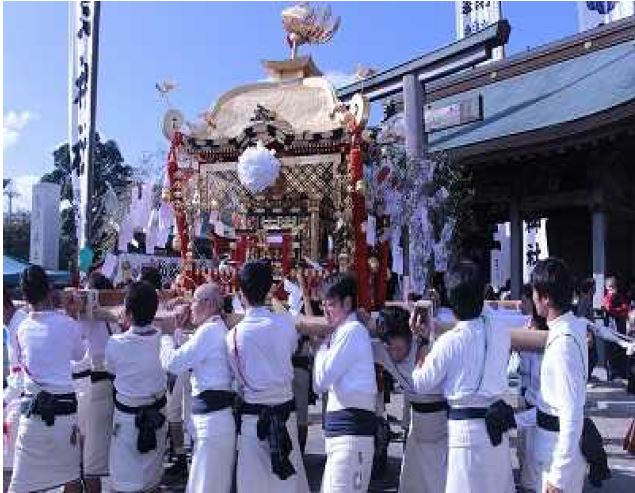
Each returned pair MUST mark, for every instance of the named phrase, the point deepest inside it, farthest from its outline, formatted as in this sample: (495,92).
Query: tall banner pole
(84,47)
(90,161)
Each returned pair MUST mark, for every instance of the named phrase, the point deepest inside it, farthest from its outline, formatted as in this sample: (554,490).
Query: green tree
(109,171)
(17,236)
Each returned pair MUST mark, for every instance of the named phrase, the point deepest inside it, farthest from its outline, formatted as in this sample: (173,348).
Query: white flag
(83,35)
(534,245)
(594,14)
(472,17)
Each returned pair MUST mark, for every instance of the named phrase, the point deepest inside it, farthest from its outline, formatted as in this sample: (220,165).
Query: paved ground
(608,404)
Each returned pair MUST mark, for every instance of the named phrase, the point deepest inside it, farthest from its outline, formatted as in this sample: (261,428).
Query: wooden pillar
(633,248)
(598,233)
(516,248)
(413,101)
(598,221)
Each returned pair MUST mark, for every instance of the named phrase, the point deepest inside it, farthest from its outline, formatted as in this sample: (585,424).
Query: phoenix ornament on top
(305,24)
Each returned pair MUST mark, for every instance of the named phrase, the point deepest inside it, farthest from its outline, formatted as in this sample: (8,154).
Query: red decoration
(359,216)
(286,253)
(177,198)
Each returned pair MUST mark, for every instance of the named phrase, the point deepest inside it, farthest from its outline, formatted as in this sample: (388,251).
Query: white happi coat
(205,353)
(470,363)
(529,370)
(563,378)
(100,404)
(133,358)
(260,348)
(425,460)
(13,391)
(344,367)
(47,456)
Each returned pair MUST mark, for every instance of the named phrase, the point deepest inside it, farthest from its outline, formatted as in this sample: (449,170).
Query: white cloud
(13,124)
(23,186)
(340,79)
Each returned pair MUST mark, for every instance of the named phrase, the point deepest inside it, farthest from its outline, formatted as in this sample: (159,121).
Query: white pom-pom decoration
(258,168)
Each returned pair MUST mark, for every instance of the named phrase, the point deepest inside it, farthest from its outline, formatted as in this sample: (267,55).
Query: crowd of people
(88,399)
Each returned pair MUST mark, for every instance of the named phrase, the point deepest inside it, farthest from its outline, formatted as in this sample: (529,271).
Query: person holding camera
(469,363)
(424,464)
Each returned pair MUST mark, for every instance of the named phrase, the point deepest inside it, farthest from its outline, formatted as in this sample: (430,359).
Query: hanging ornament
(258,168)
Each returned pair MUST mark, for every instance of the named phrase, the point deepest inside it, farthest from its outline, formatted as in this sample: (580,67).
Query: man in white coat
(563,374)
(424,465)
(345,369)
(205,353)
(469,362)
(139,431)
(47,450)
(260,349)
(100,396)
(12,318)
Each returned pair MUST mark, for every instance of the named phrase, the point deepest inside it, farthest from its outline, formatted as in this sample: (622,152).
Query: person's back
(261,346)
(470,364)
(47,343)
(138,444)
(260,349)
(482,377)
(133,357)
(47,451)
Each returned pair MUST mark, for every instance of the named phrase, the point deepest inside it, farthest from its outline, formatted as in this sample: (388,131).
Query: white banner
(594,14)
(45,225)
(83,27)
(535,248)
(472,17)
(500,257)
(534,245)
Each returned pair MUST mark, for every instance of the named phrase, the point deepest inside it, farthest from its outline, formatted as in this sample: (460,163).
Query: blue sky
(206,48)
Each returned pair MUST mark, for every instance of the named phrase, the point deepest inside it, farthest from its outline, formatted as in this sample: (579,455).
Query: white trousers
(214,454)
(349,464)
(131,470)
(529,471)
(174,407)
(425,462)
(11,424)
(82,392)
(544,446)
(98,429)
(253,470)
(474,464)
(46,456)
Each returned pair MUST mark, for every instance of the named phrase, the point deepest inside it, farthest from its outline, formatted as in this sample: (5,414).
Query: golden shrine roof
(302,105)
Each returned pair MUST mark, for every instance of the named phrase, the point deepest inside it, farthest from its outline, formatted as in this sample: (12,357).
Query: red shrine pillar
(359,216)
(175,181)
